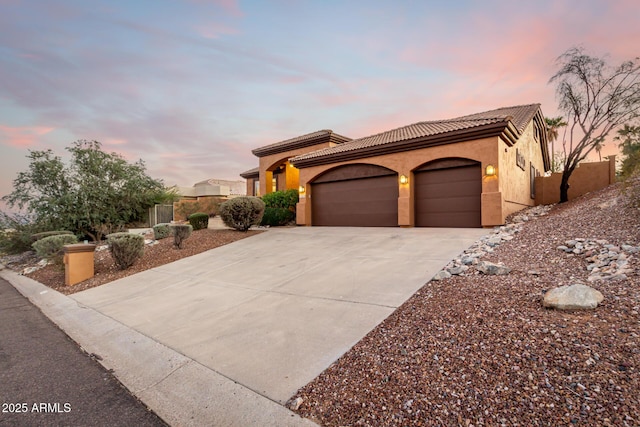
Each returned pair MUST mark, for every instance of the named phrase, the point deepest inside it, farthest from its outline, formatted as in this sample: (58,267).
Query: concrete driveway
(271,312)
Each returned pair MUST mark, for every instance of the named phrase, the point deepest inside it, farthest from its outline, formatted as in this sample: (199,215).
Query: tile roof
(301,141)
(250,172)
(520,116)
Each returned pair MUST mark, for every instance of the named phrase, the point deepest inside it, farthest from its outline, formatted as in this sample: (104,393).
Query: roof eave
(327,138)
(492,130)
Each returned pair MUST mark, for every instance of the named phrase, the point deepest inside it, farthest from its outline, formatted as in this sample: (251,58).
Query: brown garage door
(356,196)
(447,194)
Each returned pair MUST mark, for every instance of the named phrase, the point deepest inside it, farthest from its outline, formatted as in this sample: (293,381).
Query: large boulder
(572,297)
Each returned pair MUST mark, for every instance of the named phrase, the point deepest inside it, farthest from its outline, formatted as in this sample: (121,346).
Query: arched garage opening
(358,195)
(447,193)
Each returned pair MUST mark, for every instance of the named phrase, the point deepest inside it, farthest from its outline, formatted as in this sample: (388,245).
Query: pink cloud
(215,30)
(23,136)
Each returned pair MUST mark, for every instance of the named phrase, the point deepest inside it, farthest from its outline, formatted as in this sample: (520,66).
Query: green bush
(125,248)
(242,212)
(51,248)
(181,232)
(16,231)
(199,220)
(161,231)
(274,217)
(281,199)
(38,236)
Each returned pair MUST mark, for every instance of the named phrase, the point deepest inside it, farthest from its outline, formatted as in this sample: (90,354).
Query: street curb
(178,389)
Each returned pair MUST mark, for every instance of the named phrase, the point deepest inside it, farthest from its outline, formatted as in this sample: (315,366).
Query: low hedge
(274,217)
(161,231)
(199,220)
(181,232)
(38,236)
(125,248)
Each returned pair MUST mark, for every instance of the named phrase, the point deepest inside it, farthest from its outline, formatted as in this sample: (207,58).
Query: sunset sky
(192,86)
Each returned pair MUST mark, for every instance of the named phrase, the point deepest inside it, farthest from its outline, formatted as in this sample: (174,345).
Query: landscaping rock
(492,269)
(572,297)
(457,270)
(441,275)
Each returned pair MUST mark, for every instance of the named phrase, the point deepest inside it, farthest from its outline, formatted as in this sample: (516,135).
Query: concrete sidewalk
(225,337)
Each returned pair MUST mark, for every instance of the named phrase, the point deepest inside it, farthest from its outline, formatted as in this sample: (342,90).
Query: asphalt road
(47,380)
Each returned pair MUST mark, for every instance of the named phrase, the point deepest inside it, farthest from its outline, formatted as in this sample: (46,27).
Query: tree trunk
(564,186)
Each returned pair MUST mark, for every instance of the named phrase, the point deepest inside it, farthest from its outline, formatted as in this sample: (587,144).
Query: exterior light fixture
(301,189)
(404,179)
(490,170)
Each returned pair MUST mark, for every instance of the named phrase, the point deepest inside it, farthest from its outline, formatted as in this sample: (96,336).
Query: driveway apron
(273,311)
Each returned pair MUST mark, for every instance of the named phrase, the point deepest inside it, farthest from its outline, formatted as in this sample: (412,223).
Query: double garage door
(447,194)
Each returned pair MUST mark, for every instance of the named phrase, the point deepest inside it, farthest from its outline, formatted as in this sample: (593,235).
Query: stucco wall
(267,163)
(585,178)
(515,184)
(484,151)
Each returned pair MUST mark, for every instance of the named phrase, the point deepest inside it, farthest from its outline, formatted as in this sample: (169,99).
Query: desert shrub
(281,199)
(16,231)
(277,216)
(51,247)
(42,235)
(199,220)
(125,248)
(242,212)
(181,232)
(161,231)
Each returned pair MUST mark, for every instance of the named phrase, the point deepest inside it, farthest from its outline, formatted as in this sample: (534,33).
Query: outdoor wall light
(301,189)
(404,179)
(490,170)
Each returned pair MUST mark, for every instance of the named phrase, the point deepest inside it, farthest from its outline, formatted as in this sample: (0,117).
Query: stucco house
(470,171)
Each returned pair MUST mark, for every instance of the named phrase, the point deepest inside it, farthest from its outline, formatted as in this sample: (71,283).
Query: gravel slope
(480,350)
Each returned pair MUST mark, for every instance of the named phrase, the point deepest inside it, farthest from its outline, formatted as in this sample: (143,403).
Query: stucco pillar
(78,263)
(405,202)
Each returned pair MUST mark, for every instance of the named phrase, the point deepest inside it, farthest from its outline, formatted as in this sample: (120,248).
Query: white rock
(490,268)
(572,297)
(441,275)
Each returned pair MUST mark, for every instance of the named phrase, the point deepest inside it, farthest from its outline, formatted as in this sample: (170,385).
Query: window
(256,188)
(274,183)
(533,172)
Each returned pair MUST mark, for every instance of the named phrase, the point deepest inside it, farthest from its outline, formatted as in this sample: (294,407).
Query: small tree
(629,143)
(553,126)
(94,194)
(596,99)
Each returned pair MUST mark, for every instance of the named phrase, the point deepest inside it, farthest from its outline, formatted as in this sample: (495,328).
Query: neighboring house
(471,171)
(212,188)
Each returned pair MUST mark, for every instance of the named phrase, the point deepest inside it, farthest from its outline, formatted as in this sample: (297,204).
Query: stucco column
(78,263)
(405,200)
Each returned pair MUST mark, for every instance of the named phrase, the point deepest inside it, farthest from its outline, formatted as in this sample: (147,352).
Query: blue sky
(192,86)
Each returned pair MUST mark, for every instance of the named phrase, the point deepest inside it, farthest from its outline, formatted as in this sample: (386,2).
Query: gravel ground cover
(155,255)
(480,350)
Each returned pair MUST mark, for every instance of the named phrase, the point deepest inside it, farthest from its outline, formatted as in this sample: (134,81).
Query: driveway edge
(178,389)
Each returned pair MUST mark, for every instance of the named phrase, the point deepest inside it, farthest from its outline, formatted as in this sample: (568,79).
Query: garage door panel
(368,202)
(448,197)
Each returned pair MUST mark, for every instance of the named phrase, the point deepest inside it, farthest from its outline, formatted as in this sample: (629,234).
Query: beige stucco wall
(515,182)
(585,178)
(484,151)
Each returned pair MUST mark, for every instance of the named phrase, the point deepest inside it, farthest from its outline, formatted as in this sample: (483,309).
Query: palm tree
(553,124)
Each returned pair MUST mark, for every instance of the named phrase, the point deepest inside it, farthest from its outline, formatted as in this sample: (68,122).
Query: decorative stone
(490,268)
(572,297)
(459,269)
(294,404)
(441,275)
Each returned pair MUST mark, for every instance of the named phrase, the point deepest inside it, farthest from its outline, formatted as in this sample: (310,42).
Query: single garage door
(356,196)
(447,194)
